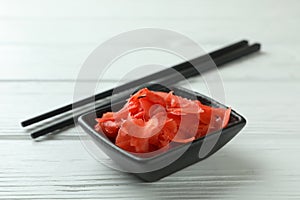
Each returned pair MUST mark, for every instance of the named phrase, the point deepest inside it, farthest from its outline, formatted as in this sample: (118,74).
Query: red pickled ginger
(151,120)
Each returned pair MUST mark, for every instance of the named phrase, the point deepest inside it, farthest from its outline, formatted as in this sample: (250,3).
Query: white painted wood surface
(44,43)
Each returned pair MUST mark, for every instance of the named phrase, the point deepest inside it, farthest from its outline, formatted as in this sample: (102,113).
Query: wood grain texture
(44,43)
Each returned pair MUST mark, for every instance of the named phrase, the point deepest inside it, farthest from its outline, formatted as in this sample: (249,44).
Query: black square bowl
(177,157)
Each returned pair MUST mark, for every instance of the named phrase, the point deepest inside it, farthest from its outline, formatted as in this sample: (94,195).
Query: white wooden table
(44,43)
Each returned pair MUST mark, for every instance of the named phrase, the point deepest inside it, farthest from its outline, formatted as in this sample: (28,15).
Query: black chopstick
(173,78)
(132,84)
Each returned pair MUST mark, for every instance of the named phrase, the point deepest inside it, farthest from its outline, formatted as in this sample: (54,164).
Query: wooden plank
(39,32)
(63,63)
(33,49)
(262,106)
(63,170)
(146,8)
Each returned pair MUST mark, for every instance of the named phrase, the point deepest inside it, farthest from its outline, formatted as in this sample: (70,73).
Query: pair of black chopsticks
(164,77)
